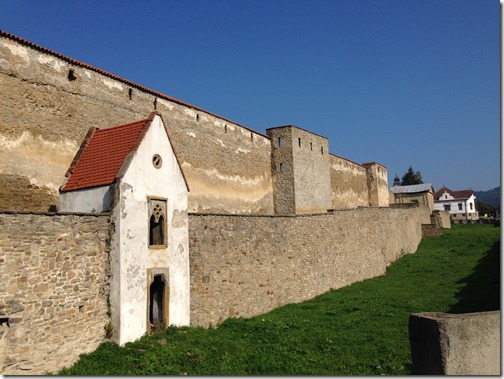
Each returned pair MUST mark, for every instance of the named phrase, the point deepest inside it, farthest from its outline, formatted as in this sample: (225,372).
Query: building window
(157,223)
(299,142)
(157,161)
(279,141)
(322,150)
(281,167)
(447,207)
(311,146)
(471,206)
(71,75)
(460,206)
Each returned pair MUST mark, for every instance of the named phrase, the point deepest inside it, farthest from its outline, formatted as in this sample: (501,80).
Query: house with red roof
(133,172)
(461,204)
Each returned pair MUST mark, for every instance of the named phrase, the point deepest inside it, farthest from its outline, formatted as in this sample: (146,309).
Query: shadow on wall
(482,288)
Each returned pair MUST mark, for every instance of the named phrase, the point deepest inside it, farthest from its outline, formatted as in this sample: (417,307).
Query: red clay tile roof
(462,194)
(102,154)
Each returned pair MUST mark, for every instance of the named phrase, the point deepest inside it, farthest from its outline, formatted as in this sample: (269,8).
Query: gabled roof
(102,154)
(462,194)
(415,188)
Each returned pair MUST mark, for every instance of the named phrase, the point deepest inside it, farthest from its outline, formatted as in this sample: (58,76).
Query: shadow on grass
(482,288)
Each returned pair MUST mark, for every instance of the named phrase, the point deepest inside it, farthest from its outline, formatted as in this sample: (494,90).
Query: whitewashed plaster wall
(468,205)
(87,200)
(131,256)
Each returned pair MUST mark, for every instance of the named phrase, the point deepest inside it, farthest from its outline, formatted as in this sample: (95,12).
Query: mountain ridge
(492,196)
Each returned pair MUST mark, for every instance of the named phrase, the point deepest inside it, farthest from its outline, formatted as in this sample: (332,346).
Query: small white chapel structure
(133,172)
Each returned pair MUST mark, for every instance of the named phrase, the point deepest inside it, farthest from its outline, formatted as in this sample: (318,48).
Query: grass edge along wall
(48,286)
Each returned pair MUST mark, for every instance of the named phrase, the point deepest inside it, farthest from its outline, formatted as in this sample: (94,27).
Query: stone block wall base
(455,344)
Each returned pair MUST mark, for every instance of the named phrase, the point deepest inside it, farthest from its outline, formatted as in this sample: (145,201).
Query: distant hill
(491,197)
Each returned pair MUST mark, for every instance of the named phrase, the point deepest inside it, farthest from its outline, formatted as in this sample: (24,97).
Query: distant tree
(411,177)
(485,208)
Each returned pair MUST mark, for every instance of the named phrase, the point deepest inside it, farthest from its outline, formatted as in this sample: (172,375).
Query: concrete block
(455,344)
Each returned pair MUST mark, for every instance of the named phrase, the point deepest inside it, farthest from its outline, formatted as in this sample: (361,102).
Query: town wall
(300,171)
(17,192)
(311,172)
(55,271)
(242,266)
(377,184)
(53,100)
(54,284)
(349,187)
(282,170)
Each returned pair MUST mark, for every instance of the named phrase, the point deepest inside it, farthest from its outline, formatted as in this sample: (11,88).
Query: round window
(157,161)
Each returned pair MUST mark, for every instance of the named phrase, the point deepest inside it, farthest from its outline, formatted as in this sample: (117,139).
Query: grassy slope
(361,329)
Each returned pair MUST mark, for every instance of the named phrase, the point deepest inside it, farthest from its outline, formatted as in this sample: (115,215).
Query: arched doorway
(157,301)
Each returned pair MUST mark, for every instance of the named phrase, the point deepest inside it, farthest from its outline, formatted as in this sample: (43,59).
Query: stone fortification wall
(349,188)
(53,289)
(16,192)
(243,266)
(282,170)
(50,101)
(300,171)
(377,184)
(311,172)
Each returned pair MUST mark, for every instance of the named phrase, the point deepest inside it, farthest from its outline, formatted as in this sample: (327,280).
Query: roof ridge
(121,126)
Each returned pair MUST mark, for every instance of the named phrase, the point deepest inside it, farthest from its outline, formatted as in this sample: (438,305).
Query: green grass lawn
(361,329)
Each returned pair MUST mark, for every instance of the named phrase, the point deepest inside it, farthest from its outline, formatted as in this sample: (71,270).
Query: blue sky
(399,82)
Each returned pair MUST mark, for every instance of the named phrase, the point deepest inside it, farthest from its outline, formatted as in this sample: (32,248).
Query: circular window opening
(157,161)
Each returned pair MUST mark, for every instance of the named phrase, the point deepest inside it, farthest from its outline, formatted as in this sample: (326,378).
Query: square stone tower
(377,184)
(300,171)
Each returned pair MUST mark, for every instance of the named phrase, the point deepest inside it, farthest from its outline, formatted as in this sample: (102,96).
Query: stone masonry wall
(282,170)
(54,274)
(242,266)
(311,172)
(349,188)
(49,102)
(16,192)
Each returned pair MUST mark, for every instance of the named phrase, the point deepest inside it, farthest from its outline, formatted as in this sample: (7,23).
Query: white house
(461,204)
(132,171)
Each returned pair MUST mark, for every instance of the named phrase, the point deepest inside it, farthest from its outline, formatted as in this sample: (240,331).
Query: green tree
(485,208)
(411,177)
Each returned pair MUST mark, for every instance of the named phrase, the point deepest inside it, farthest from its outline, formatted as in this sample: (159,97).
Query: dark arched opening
(156,231)
(157,306)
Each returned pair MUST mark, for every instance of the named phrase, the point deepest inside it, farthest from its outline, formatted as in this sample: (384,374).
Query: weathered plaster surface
(130,241)
(41,143)
(87,200)
(348,184)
